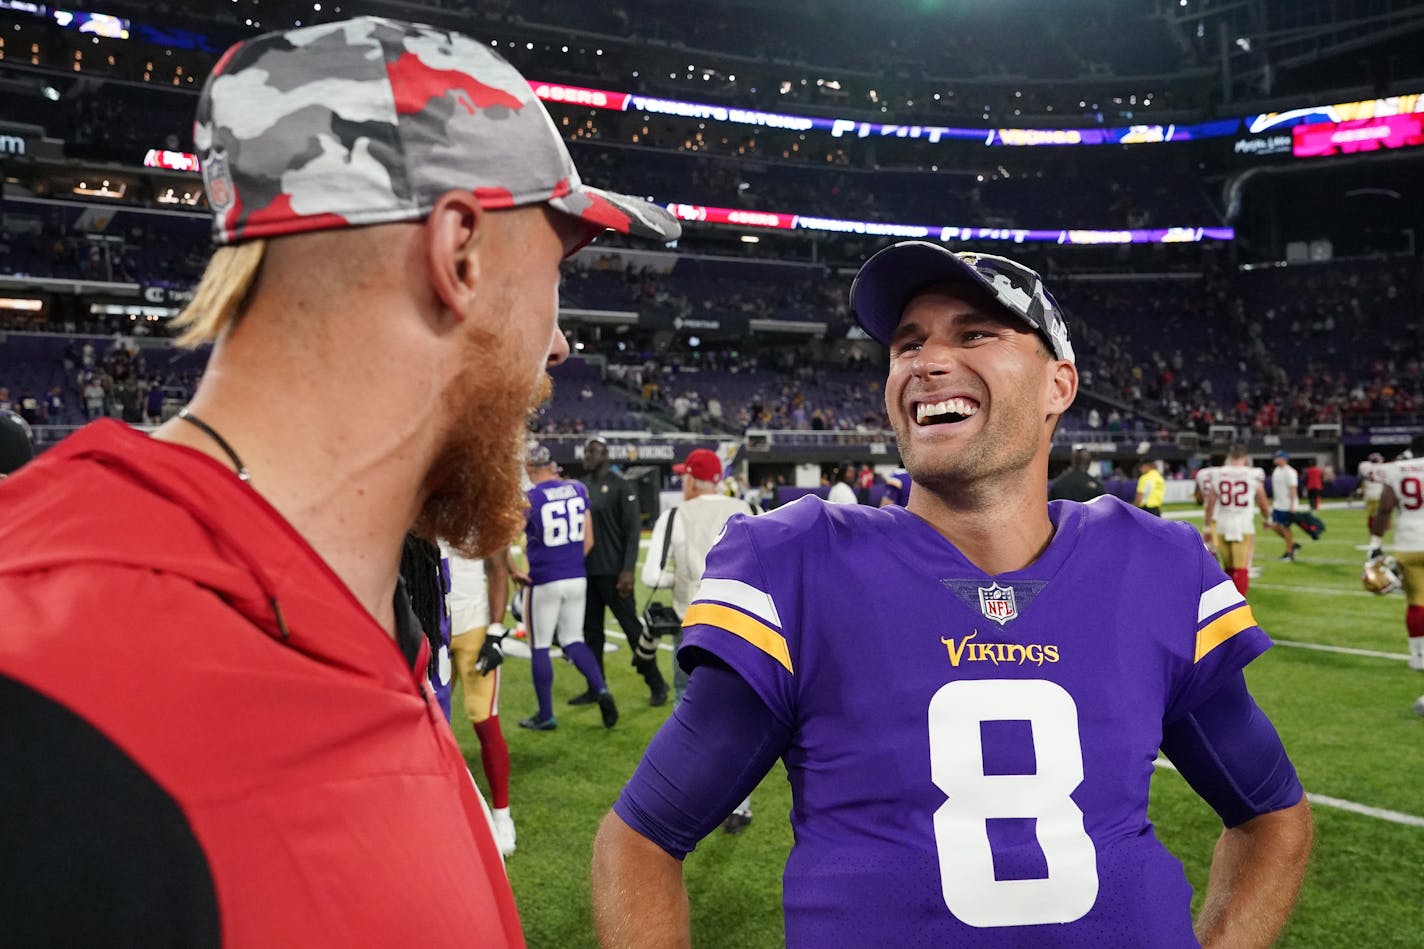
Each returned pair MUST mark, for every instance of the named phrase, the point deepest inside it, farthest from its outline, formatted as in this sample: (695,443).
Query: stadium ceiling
(1258,39)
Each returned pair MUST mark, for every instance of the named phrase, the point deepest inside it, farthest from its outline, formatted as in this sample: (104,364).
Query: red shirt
(148,591)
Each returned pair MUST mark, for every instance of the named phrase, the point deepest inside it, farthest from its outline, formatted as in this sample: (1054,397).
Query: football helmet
(1381,575)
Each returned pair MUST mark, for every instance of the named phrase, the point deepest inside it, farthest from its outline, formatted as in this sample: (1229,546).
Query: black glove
(492,652)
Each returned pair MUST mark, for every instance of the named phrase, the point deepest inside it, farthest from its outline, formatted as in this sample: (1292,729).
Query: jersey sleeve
(741,614)
(1232,756)
(1226,638)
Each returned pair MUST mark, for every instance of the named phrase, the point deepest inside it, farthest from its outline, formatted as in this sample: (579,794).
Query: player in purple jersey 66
(558,535)
(970,739)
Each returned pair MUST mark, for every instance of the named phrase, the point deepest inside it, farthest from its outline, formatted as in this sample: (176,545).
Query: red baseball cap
(702,463)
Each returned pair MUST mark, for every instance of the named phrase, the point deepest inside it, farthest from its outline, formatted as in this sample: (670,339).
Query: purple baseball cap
(891,278)
(370,120)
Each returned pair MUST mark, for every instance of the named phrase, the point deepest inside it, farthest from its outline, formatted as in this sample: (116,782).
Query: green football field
(1336,685)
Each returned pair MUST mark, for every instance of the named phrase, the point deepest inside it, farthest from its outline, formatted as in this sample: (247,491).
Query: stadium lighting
(750,239)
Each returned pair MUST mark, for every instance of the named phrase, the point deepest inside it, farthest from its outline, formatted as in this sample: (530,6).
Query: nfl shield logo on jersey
(997,603)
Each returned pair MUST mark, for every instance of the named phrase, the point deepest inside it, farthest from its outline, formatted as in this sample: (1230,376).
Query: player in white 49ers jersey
(1404,491)
(1235,488)
(1203,490)
(1372,487)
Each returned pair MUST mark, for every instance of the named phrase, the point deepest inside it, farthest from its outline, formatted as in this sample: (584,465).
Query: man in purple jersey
(558,535)
(970,739)
(897,489)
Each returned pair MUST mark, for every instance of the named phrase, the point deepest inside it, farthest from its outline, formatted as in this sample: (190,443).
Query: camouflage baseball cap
(370,120)
(891,278)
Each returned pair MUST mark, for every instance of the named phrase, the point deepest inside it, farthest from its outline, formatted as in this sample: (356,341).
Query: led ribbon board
(701,214)
(841,128)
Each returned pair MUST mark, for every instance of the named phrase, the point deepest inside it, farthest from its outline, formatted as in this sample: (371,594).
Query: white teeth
(956,406)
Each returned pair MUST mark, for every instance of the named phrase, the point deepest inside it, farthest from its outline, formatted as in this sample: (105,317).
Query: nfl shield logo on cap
(997,603)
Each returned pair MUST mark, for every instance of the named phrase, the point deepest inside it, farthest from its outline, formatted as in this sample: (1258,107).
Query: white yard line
(1340,804)
(1325,592)
(1196,513)
(1402,657)
(617,634)
(1380,813)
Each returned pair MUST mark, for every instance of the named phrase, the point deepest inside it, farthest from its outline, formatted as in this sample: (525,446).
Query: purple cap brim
(891,278)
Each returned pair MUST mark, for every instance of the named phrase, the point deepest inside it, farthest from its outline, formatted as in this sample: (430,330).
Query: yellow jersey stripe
(1221,629)
(740,624)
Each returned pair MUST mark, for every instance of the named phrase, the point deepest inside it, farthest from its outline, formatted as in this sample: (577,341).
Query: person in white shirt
(1372,487)
(841,491)
(1203,491)
(1284,497)
(687,532)
(1233,490)
(1403,491)
(477,597)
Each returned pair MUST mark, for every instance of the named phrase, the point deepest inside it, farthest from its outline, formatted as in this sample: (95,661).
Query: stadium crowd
(1262,359)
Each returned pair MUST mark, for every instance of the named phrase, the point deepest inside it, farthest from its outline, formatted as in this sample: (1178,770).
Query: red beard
(476,502)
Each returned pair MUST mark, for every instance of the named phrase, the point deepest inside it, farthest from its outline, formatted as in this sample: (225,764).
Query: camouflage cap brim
(625,214)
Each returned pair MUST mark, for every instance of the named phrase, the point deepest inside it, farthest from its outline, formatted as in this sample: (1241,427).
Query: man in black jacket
(613,506)
(1076,484)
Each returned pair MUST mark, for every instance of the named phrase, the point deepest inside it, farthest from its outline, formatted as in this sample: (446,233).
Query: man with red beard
(970,738)
(217,724)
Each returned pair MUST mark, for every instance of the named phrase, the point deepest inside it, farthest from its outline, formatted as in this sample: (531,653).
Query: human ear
(1062,386)
(453,233)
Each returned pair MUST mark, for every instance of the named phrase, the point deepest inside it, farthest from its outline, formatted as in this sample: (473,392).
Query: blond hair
(222,294)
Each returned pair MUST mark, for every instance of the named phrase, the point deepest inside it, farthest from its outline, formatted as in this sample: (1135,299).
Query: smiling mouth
(945,413)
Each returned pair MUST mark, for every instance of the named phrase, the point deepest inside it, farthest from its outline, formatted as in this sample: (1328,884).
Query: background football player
(1234,489)
(1402,484)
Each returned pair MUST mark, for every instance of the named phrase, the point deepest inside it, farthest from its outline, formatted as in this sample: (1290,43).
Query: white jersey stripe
(1218,598)
(743,596)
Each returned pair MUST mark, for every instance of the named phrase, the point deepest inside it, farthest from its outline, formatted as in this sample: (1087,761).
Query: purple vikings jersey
(897,487)
(970,755)
(553,529)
